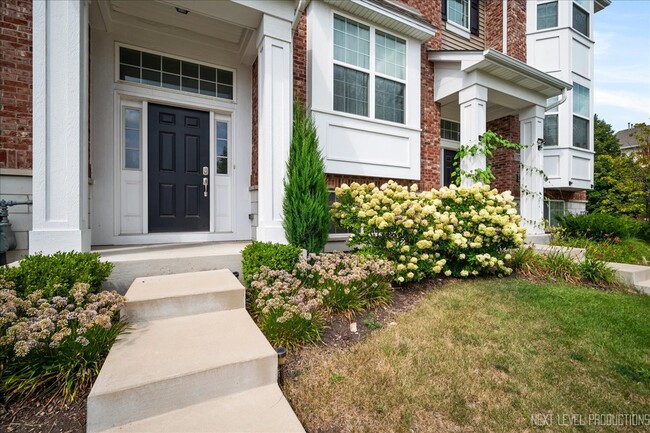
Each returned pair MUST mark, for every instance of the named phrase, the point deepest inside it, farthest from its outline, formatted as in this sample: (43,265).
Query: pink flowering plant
(55,345)
(452,231)
(290,307)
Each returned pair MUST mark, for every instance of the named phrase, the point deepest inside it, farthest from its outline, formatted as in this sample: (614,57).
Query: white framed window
(173,73)
(581,117)
(458,12)
(222,145)
(131,137)
(580,21)
(551,124)
(450,130)
(546,15)
(553,211)
(369,71)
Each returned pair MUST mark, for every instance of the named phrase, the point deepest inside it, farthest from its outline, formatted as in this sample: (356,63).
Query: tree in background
(641,133)
(306,206)
(621,182)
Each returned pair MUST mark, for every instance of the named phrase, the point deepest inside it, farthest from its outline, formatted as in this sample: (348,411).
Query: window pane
(350,91)
(151,61)
(222,130)
(132,118)
(580,100)
(450,130)
(225,77)
(129,57)
(132,139)
(151,78)
(190,70)
(389,100)
(172,66)
(222,147)
(390,55)
(224,91)
(130,73)
(222,165)
(208,88)
(458,11)
(550,130)
(546,15)
(170,81)
(351,42)
(208,73)
(580,20)
(580,132)
(132,158)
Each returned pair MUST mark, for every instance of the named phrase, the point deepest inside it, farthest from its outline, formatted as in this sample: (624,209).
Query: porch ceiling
(511,84)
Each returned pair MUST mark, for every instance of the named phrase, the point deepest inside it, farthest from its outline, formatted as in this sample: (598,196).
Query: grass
(485,355)
(635,251)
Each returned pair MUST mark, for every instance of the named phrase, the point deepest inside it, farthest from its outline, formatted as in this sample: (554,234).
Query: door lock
(206,170)
(205,187)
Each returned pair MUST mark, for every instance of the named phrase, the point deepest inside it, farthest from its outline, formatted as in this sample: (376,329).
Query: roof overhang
(599,5)
(389,14)
(503,68)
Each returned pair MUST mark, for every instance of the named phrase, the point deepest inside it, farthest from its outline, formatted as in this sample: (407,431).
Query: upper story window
(362,76)
(546,15)
(458,12)
(170,73)
(581,17)
(580,116)
(463,14)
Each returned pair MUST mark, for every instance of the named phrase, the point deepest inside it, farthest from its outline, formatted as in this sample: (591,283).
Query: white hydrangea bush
(456,231)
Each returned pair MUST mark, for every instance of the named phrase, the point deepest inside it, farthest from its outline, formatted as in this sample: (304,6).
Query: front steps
(636,276)
(193,361)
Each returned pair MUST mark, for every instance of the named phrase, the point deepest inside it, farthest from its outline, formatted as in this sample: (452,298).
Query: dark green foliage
(605,142)
(644,231)
(56,274)
(305,206)
(598,226)
(597,271)
(275,256)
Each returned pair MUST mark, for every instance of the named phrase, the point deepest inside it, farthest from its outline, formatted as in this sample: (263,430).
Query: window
(553,210)
(580,19)
(546,15)
(458,12)
(132,139)
(580,116)
(356,74)
(222,147)
(450,130)
(169,73)
(551,124)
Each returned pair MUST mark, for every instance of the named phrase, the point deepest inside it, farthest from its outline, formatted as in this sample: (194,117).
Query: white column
(275,105)
(473,107)
(531,204)
(60,127)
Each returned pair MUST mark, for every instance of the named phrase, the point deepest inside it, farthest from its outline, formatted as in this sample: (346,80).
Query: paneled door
(179,161)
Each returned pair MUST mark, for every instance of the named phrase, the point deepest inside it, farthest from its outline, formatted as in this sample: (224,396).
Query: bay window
(369,71)
(546,15)
(580,116)
(581,17)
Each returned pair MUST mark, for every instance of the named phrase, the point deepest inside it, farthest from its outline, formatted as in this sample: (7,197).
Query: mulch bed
(46,415)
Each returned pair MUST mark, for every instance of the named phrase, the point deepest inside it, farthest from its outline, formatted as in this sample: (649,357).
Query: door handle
(205,187)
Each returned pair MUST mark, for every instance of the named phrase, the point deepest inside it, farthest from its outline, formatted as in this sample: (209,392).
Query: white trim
(457,29)
(459,26)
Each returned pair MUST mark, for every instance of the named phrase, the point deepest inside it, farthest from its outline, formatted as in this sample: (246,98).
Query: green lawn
(486,355)
(632,250)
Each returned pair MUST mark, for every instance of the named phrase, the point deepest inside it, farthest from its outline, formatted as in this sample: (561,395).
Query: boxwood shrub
(274,256)
(599,226)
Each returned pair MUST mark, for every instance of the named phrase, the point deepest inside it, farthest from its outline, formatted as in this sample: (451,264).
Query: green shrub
(56,274)
(306,197)
(597,271)
(455,231)
(289,307)
(274,256)
(522,259)
(644,231)
(55,346)
(598,226)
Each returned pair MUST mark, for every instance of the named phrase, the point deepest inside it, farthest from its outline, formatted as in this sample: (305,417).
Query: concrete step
(262,409)
(137,261)
(168,364)
(577,254)
(643,286)
(152,298)
(630,274)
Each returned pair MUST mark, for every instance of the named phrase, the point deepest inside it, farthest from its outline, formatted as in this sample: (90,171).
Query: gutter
(302,5)
(559,102)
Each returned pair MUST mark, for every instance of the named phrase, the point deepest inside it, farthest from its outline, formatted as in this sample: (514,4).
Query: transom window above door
(175,74)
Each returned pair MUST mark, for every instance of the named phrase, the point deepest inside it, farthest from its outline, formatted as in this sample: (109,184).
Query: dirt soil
(46,415)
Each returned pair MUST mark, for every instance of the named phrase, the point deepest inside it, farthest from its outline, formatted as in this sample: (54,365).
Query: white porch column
(473,108)
(275,105)
(60,127)
(531,205)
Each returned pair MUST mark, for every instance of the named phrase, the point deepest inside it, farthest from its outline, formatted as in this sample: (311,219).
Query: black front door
(179,149)
(448,166)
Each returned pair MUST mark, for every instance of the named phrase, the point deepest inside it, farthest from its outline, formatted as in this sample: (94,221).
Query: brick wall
(555,194)
(300,61)
(505,166)
(494,33)
(16,84)
(517,29)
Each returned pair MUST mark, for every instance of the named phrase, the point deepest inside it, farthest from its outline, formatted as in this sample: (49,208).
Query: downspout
(505,26)
(302,5)
(559,102)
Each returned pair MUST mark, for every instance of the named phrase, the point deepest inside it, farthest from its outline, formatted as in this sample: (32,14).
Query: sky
(622,63)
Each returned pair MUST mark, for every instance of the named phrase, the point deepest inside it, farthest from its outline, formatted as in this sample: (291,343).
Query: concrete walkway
(193,361)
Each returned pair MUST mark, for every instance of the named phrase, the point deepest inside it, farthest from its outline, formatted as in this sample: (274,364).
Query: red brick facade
(505,166)
(16,84)
(494,34)
(254,123)
(555,194)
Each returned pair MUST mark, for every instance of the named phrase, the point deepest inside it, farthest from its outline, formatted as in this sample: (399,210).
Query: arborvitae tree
(306,201)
